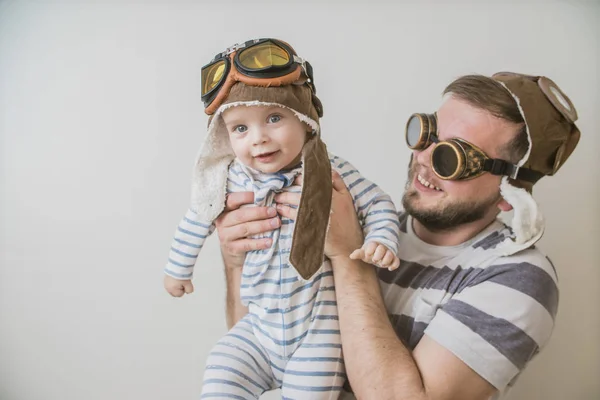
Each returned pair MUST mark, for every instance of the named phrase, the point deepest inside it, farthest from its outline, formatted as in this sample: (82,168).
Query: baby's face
(266,138)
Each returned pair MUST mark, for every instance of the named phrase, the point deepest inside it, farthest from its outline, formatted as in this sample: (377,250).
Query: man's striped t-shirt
(493,312)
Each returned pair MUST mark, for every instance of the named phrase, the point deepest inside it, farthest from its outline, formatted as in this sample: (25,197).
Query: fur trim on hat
(209,182)
(528,221)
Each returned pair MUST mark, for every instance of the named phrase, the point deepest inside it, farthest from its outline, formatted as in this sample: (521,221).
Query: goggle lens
(445,160)
(212,75)
(263,55)
(414,129)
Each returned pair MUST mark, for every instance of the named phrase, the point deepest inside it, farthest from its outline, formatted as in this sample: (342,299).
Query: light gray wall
(100,119)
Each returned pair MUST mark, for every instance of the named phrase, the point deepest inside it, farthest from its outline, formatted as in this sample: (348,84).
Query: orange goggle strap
(280,75)
(234,76)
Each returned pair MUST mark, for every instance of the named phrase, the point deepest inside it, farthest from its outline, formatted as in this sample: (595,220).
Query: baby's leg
(237,367)
(316,370)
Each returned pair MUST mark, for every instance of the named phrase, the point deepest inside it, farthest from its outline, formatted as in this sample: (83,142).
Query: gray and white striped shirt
(493,312)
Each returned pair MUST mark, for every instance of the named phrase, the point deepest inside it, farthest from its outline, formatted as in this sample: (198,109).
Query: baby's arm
(187,242)
(377,215)
(189,239)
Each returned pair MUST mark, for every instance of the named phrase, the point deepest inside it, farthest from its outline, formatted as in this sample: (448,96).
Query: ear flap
(566,149)
(209,177)
(308,242)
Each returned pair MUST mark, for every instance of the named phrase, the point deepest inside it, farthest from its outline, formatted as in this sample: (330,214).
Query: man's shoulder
(530,263)
(532,256)
(488,254)
(528,271)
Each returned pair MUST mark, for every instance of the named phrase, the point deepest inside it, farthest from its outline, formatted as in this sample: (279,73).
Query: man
(473,300)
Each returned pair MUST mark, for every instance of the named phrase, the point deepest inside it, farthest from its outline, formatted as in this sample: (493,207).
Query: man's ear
(504,205)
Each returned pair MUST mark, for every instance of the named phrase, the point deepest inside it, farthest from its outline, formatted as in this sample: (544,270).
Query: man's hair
(487,94)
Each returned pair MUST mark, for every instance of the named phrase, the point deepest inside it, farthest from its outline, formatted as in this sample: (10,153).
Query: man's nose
(424,156)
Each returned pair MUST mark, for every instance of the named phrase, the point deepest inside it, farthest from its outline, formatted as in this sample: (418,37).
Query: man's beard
(444,217)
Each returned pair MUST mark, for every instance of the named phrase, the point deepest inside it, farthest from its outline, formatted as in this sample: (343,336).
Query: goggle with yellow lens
(457,159)
(259,62)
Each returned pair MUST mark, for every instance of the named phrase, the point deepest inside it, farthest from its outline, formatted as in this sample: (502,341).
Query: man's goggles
(260,62)
(457,159)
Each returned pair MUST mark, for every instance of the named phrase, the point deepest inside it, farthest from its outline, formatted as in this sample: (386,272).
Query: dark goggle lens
(262,56)
(445,160)
(414,130)
(212,75)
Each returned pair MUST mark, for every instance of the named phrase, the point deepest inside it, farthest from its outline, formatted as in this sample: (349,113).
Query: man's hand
(344,233)
(176,287)
(237,223)
(285,200)
(234,226)
(376,254)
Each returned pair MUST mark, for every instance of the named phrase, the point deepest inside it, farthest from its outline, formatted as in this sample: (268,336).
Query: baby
(263,133)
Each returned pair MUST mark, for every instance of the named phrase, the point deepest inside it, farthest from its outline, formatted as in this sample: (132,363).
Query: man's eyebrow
(440,133)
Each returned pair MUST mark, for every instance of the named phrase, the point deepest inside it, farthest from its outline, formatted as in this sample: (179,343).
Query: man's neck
(453,236)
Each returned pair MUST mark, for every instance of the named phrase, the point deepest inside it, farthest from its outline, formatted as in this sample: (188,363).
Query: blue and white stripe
(290,338)
(187,243)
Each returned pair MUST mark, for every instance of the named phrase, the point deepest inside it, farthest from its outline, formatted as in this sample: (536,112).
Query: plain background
(101,118)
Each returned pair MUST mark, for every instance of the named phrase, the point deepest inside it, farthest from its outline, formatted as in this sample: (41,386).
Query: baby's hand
(376,254)
(176,287)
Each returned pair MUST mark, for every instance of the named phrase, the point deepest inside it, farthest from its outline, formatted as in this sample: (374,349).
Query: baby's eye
(274,118)
(240,129)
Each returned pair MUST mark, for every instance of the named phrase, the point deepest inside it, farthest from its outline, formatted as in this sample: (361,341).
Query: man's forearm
(233,276)
(378,364)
